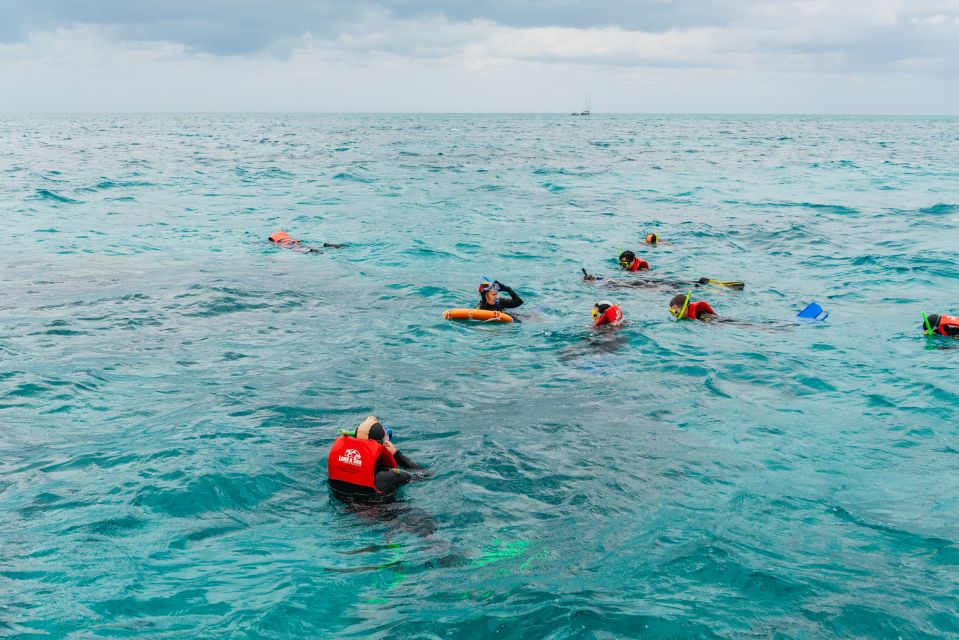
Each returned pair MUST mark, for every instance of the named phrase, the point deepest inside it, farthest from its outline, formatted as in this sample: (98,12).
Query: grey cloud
(213,26)
(244,27)
(248,26)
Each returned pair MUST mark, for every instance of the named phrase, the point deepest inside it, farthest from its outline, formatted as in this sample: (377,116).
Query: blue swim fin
(813,312)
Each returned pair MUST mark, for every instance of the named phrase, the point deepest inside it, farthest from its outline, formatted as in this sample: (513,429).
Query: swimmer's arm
(405,463)
(514,299)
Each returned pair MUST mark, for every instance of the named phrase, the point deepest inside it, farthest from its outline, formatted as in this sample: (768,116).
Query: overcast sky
(712,56)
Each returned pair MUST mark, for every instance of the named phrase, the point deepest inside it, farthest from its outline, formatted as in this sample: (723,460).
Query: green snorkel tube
(928,330)
(682,312)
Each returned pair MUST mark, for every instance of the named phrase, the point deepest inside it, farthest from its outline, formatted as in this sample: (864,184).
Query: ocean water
(170,383)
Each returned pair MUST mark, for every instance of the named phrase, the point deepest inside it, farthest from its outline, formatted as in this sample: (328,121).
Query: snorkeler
(943,325)
(644,283)
(682,308)
(365,466)
(652,238)
(490,300)
(629,261)
(283,239)
(606,312)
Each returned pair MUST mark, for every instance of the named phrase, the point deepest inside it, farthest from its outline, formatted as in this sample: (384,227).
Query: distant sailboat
(584,112)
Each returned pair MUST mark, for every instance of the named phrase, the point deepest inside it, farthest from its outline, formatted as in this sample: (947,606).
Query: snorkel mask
(679,315)
(488,286)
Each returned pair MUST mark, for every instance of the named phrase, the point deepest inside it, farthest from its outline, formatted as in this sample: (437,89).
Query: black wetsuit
(386,479)
(950,330)
(510,303)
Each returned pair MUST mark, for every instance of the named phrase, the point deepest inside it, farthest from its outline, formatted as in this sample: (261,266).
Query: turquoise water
(171,383)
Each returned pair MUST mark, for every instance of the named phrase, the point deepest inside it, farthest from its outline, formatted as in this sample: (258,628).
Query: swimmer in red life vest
(490,300)
(629,261)
(606,312)
(936,324)
(366,467)
(682,308)
(283,239)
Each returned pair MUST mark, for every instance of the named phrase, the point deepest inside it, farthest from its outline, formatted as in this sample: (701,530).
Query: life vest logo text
(351,456)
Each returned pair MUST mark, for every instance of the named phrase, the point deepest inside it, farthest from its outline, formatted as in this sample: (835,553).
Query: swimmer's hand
(421,474)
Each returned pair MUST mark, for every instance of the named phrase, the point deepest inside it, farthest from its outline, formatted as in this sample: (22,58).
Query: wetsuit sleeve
(513,302)
(388,480)
(405,462)
(951,330)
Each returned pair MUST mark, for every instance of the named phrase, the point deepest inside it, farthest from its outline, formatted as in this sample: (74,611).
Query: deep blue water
(170,383)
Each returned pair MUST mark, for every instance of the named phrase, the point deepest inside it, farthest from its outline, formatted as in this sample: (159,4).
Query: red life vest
(697,309)
(947,321)
(612,315)
(282,238)
(638,264)
(354,461)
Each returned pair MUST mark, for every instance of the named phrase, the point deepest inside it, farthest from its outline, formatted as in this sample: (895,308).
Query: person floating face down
(365,467)
(606,312)
(941,325)
(629,261)
(490,300)
(683,309)
(283,239)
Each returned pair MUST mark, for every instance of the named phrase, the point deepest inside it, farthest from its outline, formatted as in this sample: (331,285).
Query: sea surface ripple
(170,383)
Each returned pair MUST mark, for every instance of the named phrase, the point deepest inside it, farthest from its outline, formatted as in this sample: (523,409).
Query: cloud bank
(744,56)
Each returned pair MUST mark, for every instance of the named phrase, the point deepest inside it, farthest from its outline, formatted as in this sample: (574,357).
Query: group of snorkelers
(365,466)
(605,312)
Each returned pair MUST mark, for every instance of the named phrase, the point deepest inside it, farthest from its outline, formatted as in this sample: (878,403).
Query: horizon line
(491,113)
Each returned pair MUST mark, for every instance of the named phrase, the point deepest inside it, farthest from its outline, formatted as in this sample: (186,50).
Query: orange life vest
(355,461)
(282,238)
(638,264)
(947,321)
(612,315)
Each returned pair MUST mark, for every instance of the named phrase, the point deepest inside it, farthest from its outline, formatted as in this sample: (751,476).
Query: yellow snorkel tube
(679,315)
(928,330)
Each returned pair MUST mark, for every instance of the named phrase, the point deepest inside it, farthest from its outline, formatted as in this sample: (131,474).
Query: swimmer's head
(626,258)
(378,432)
(678,305)
(488,292)
(933,322)
(371,429)
(600,308)
(651,238)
